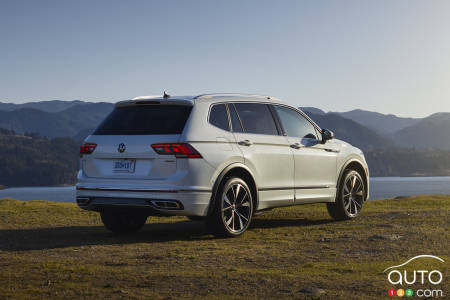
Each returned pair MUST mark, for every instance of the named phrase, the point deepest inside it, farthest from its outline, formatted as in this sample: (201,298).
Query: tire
(121,221)
(349,197)
(233,209)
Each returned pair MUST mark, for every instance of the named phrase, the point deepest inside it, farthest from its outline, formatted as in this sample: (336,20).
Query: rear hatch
(122,143)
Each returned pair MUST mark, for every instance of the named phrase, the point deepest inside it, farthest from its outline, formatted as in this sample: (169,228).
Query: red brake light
(183,150)
(87,148)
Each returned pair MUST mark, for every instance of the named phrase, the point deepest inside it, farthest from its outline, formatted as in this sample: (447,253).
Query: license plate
(124,165)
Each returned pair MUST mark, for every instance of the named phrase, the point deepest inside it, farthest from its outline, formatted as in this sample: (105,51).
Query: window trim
(239,118)
(230,125)
(277,119)
(316,127)
(278,124)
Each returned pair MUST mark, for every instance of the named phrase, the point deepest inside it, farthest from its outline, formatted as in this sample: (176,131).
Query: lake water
(380,188)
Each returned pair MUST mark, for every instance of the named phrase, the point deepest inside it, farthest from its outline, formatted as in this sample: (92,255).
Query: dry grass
(55,250)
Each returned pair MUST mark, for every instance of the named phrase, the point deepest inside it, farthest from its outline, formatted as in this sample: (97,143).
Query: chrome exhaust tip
(167,204)
(83,201)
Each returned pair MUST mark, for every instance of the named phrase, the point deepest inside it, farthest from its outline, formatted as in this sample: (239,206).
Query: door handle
(296,146)
(245,143)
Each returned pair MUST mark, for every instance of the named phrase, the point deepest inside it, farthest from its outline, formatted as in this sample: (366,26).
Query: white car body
(285,170)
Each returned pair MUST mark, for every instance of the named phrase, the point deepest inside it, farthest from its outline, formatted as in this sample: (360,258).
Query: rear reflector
(87,148)
(183,150)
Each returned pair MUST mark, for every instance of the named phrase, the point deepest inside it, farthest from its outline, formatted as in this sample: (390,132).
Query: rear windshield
(149,119)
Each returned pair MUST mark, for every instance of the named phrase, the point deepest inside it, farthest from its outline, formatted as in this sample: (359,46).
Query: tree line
(31,160)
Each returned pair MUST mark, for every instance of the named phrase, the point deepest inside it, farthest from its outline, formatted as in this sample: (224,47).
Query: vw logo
(121,148)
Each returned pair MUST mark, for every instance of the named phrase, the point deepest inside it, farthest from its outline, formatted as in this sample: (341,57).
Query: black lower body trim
(294,188)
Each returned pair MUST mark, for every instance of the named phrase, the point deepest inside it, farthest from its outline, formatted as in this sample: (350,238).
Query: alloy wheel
(353,195)
(236,208)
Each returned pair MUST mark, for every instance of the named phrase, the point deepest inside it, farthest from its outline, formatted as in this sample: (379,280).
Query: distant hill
(430,132)
(48,106)
(31,160)
(313,110)
(380,123)
(65,123)
(351,131)
(408,162)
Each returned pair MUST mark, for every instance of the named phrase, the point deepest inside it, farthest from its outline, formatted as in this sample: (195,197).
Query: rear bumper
(157,201)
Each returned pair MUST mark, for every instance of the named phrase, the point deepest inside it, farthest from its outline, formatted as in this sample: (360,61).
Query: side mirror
(327,135)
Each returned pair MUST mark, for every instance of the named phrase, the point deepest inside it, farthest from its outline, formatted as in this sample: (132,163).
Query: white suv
(218,157)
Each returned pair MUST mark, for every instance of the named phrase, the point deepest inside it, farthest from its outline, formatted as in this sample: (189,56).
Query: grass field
(55,250)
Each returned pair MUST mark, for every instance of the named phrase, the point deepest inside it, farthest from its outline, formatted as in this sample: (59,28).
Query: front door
(315,163)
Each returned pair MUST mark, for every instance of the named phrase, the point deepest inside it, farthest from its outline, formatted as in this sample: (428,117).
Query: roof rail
(235,95)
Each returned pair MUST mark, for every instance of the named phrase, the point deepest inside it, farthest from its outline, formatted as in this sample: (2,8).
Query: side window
(235,122)
(219,117)
(256,118)
(295,124)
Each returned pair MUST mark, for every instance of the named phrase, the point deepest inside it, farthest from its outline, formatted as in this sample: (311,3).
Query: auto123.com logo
(415,282)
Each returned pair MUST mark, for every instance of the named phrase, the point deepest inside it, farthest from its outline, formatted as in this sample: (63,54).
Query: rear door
(315,163)
(265,151)
(125,137)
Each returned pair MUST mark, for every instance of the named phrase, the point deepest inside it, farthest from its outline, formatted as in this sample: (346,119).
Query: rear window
(149,119)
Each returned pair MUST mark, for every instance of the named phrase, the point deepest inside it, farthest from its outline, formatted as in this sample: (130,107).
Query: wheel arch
(238,170)
(357,165)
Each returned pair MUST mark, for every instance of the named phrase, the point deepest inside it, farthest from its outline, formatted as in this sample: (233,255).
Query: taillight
(179,150)
(87,148)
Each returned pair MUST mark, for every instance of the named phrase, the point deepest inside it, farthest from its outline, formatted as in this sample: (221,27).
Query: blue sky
(386,56)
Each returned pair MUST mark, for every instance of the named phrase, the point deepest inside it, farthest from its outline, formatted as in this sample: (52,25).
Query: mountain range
(68,120)
(380,123)
(372,130)
(364,129)
(48,106)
